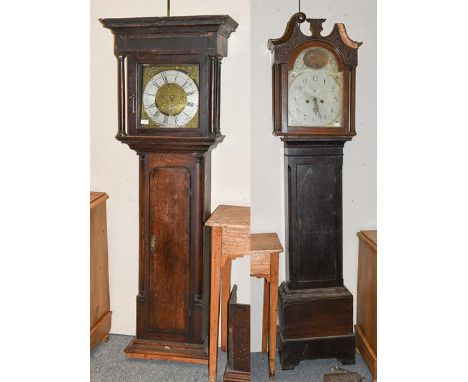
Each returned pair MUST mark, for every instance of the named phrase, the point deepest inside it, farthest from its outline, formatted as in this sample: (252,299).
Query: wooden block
(238,357)
(316,312)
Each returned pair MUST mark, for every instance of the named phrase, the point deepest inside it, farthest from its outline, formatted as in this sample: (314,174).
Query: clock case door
(174,247)
(135,89)
(284,52)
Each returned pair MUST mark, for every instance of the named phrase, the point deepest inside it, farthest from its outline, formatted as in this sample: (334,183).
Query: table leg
(274,259)
(216,234)
(266,312)
(226,290)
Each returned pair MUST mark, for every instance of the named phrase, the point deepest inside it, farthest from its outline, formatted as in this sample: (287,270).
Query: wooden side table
(264,263)
(230,228)
(366,320)
(100,314)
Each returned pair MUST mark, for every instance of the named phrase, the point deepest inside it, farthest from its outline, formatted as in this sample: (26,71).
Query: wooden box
(100,320)
(238,355)
(366,323)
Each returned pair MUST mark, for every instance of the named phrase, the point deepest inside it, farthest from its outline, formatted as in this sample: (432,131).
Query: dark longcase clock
(168,112)
(313,113)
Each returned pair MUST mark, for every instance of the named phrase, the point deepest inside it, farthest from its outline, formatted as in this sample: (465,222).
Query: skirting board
(293,351)
(164,350)
(100,331)
(366,351)
(236,376)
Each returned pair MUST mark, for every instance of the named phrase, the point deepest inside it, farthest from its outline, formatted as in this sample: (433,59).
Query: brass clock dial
(170,96)
(315,90)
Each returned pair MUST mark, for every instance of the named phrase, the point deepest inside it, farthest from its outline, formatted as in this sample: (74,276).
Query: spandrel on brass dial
(315,90)
(170,96)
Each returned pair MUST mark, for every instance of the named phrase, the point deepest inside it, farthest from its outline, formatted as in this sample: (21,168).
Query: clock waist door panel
(171,277)
(169,211)
(315,234)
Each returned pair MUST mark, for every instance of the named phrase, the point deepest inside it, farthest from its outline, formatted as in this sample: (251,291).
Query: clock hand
(316,107)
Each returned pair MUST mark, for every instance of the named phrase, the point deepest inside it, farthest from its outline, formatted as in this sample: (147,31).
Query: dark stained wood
(330,312)
(238,357)
(291,352)
(315,308)
(314,213)
(100,314)
(314,305)
(175,181)
(366,320)
(121,90)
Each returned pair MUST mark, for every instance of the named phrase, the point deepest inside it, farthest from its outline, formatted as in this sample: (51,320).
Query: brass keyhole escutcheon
(153,243)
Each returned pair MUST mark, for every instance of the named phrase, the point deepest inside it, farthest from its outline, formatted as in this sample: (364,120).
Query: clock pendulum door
(169,98)
(313,113)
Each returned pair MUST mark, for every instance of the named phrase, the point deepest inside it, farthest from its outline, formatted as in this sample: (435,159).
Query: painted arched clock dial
(170,99)
(315,90)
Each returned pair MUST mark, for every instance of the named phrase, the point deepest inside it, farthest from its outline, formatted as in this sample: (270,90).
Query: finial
(316,26)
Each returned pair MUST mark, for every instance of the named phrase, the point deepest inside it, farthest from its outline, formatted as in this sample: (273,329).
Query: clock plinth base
(165,350)
(293,351)
(315,323)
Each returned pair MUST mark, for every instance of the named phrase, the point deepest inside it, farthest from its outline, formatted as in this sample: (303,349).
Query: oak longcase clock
(314,80)
(168,112)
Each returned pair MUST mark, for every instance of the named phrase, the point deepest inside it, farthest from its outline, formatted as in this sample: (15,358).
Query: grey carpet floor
(109,364)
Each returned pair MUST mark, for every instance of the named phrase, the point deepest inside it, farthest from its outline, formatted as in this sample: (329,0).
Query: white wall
(269,18)
(114,167)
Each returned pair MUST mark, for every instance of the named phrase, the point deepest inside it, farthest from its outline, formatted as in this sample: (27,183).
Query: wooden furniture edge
(213,219)
(163,357)
(366,351)
(235,376)
(362,235)
(276,245)
(100,331)
(137,350)
(98,199)
(215,294)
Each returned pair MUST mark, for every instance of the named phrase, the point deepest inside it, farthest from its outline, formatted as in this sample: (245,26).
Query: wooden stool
(230,228)
(264,262)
